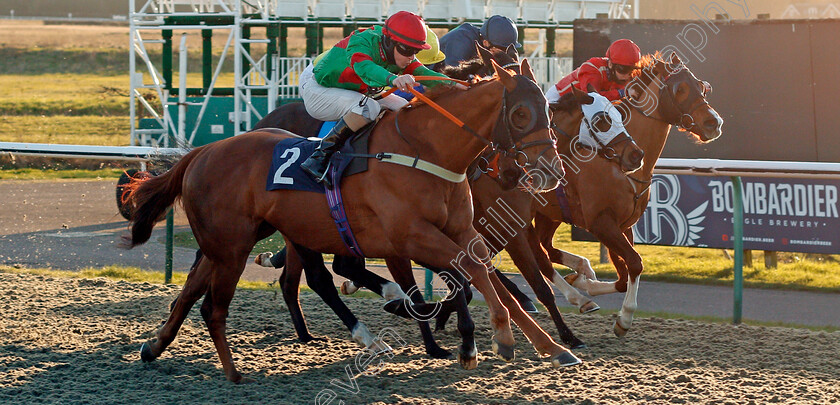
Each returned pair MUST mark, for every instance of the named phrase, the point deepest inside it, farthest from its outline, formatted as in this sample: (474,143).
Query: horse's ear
(484,53)
(511,51)
(504,76)
(525,70)
(590,88)
(581,96)
(675,59)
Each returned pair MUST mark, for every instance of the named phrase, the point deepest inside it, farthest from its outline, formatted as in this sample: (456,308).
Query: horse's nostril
(710,123)
(636,157)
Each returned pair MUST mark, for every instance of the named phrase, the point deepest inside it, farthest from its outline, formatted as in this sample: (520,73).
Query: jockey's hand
(459,86)
(404,82)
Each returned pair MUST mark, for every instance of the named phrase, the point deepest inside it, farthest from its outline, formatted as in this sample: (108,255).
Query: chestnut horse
(396,211)
(607,202)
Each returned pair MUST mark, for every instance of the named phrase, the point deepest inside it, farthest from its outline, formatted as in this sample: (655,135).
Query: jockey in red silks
(608,75)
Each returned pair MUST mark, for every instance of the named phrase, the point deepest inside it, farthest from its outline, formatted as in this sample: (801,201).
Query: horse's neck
(650,134)
(432,133)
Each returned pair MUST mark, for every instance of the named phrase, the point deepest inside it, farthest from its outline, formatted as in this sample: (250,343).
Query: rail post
(428,291)
(738,246)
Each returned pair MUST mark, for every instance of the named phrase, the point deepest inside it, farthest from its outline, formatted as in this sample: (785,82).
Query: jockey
(459,44)
(427,57)
(608,75)
(337,87)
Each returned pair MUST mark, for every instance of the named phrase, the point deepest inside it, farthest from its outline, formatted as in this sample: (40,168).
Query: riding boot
(316,165)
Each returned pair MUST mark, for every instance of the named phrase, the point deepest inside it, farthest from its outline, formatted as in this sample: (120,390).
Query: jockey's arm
(418,69)
(590,75)
(359,51)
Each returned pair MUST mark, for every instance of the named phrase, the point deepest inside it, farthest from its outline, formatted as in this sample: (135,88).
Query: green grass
(665,263)
(87,130)
(40,174)
(131,274)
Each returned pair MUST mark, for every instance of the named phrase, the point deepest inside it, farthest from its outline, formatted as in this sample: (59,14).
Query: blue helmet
(500,31)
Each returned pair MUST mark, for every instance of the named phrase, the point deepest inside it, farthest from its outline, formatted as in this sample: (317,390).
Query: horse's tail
(150,198)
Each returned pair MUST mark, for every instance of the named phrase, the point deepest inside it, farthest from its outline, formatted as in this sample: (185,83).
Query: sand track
(76,341)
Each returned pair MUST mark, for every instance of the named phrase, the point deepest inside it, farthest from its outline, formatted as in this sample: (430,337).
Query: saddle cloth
(285,172)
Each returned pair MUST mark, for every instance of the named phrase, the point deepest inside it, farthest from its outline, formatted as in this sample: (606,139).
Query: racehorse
(607,202)
(397,211)
(628,157)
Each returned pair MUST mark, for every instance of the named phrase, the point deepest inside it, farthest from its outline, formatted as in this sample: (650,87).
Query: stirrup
(324,179)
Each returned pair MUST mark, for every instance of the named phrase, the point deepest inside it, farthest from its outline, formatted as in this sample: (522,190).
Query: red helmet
(624,52)
(406,28)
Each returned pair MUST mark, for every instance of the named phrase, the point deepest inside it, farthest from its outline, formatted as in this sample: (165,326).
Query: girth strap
(414,162)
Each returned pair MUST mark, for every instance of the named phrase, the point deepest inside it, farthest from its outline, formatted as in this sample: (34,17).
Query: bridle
(506,139)
(680,114)
(608,150)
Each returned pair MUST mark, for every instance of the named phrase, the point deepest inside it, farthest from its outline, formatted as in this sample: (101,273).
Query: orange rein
(428,101)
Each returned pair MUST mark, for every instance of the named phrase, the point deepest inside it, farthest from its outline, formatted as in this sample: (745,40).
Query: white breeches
(332,103)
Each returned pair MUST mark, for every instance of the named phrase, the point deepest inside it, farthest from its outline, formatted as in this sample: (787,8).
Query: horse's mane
(647,63)
(438,91)
(465,70)
(567,103)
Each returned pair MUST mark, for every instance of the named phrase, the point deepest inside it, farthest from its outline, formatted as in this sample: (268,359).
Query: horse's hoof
(579,346)
(529,307)
(565,359)
(505,352)
(246,380)
(264,259)
(146,353)
(310,338)
(348,288)
(439,353)
(619,330)
(468,358)
(398,308)
(588,307)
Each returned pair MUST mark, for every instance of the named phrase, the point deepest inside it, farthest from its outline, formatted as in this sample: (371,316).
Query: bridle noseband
(507,138)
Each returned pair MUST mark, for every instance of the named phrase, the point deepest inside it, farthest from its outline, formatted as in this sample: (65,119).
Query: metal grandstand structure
(265,75)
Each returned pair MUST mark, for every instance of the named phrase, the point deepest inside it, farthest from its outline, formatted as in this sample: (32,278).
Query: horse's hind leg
(353,268)
(546,227)
(404,276)
(321,281)
(214,310)
(467,353)
(290,284)
(195,286)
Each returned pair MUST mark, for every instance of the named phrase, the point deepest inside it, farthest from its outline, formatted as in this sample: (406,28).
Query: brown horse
(395,211)
(607,202)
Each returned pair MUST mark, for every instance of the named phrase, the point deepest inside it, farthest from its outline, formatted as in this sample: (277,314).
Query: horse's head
(680,99)
(602,128)
(599,126)
(522,134)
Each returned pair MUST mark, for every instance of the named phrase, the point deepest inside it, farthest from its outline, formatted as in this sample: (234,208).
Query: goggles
(406,50)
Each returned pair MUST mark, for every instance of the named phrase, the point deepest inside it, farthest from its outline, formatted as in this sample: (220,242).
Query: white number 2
(278,175)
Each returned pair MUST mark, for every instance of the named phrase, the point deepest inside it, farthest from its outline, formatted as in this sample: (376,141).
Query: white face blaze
(595,124)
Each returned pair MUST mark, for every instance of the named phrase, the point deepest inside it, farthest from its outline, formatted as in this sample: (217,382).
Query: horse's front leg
(425,243)
(521,250)
(475,251)
(628,265)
